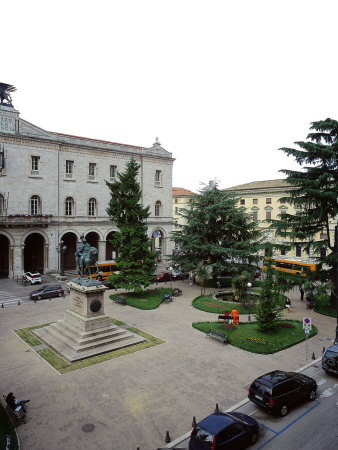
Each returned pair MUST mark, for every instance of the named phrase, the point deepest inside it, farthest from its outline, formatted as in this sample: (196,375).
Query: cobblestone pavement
(132,401)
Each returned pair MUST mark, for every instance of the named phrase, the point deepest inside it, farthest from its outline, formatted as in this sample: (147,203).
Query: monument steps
(75,333)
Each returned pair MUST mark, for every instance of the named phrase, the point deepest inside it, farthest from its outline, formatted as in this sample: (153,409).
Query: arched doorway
(4,256)
(69,240)
(93,239)
(111,252)
(157,244)
(34,253)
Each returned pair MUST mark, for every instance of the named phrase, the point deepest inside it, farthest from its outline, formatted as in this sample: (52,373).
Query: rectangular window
(35,165)
(91,171)
(323,235)
(176,210)
(158,178)
(112,173)
(268,215)
(255,201)
(283,252)
(176,201)
(255,216)
(242,201)
(69,169)
(268,201)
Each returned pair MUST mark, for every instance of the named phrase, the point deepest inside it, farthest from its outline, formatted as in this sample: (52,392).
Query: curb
(234,407)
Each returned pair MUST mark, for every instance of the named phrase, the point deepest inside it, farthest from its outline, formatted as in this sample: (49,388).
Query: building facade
(53,190)
(261,199)
(182,199)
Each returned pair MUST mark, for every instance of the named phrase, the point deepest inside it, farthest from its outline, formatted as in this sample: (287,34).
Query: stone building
(262,200)
(52,189)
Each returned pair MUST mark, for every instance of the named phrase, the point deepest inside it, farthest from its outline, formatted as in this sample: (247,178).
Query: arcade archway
(69,240)
(4,256)
(111,252)
(34,253)
(93,239)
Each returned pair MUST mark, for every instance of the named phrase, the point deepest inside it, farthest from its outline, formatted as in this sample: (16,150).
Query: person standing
(301,293)
(287,304)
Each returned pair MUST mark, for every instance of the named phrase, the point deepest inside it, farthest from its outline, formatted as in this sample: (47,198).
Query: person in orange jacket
(235,318)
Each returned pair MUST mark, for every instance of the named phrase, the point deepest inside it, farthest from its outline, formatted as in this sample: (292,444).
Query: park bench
(16,416)
(223,317)
(217,335)
(119,299)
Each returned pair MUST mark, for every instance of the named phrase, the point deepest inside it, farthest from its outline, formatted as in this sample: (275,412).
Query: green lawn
(323,307)
(260,342)
(6,427)
(63,366)
(145,300)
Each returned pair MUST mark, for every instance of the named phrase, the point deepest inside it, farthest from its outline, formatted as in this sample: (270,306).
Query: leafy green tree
(240,287)
(136,261)
(217,234)
(267,310)
(314,197)
(202,275)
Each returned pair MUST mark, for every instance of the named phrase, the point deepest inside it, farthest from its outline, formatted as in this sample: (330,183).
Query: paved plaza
(132,401)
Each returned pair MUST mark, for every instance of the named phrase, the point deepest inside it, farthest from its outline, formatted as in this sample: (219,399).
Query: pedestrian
(287,304)
(219,285)
(301,293)
(13,403)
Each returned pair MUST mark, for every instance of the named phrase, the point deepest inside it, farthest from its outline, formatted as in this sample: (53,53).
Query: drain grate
(88,427)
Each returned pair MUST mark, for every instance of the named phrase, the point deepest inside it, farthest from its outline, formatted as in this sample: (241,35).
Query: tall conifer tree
(315,195)
(217,234)
(135,261)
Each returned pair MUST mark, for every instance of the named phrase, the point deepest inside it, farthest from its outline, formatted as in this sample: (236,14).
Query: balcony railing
(25,219)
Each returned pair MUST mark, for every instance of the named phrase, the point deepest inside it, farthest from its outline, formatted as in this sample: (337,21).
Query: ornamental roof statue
(5,94)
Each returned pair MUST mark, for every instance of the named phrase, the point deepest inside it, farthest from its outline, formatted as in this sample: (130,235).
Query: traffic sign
(307,330)
(307,323)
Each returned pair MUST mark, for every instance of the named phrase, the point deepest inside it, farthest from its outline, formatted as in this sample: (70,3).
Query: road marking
(327,393)
(320,382)
(267,428)
(290,424)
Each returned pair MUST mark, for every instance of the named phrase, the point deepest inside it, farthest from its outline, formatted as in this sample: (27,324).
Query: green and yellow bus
(104,271)
(294,267)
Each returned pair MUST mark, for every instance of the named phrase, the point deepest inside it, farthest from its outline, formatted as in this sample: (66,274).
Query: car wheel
(254,438)
(283,410)
(39,297)
(60,294)
(312,395)
(99,278)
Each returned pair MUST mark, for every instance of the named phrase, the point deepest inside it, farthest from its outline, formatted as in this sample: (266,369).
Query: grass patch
(322,306)
(208,304)
(6,427)
(145,300)
(63,366)
(276,341)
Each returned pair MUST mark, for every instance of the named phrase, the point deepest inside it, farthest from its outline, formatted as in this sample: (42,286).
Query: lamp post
(61,248)
(171,282)
(249,304)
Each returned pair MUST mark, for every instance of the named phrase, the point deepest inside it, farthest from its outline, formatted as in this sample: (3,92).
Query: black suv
(330,359)
(47,292)
(277,391)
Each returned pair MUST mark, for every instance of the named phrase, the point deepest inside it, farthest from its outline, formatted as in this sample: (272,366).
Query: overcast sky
(223,84)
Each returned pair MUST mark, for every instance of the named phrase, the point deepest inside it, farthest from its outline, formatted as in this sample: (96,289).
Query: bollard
(50,298)
(2,305)
(217,408)
(313,355)
(167,438)
(34,300)
(323,350)
(19,302)
(194,422)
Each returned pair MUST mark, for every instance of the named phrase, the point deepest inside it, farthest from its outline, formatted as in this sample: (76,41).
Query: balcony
(25,220)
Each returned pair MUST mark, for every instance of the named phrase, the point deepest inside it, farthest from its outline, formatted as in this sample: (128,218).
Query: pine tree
(136,261)
(216,234)
(315,195)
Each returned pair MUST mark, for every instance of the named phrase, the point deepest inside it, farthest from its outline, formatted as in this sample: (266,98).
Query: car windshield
(261,388)
(332,355)
(203,435)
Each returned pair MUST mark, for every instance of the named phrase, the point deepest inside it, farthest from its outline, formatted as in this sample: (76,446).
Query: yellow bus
(104,271)
(295,267)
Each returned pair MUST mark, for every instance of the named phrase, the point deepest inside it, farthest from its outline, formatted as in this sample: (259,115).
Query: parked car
(32,277)
(224,431)
(180,275)
(330,359)
(163,276)
(47,292)
(278,391)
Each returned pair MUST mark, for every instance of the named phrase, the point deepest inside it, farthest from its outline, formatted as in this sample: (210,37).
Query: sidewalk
(132,401)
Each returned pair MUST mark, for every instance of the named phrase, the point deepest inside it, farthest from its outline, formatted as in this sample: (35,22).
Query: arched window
(69,206)
(157,208)
(92,207)
(35,205)
(2,205)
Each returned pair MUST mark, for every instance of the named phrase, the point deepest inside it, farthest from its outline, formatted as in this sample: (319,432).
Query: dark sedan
(224,431)
(47,292)
(164,276)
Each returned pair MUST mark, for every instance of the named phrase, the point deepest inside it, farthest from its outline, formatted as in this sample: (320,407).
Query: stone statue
(5,94)
(85,257)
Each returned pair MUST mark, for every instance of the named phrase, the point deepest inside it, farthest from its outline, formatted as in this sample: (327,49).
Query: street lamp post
(171,281)
(249,304)
(61,248)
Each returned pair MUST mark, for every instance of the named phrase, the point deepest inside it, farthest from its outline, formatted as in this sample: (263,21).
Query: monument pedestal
(85,330)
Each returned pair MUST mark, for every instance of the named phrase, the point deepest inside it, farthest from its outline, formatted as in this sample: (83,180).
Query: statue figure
(5,94)
(85,257)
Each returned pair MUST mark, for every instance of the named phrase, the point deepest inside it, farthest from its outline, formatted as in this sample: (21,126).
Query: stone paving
(132,401)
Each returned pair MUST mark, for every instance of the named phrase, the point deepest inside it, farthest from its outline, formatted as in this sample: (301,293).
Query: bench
(16,416)
(218,335)
(119,299)
(225,318)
